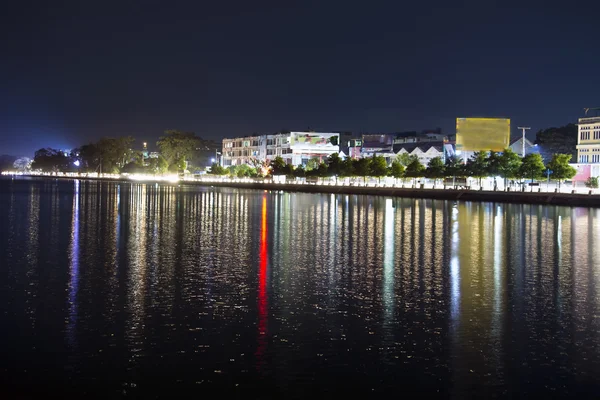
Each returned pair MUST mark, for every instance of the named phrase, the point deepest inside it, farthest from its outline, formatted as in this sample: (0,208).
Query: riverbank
(545,198)
(559,199)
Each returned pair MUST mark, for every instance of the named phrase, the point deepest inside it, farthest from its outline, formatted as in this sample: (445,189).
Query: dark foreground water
(127,289)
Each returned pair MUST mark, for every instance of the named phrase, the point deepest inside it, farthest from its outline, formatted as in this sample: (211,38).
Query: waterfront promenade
(543,194)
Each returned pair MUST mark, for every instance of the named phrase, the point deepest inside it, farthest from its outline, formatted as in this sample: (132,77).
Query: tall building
(296,148)
(588,149)
(588,140)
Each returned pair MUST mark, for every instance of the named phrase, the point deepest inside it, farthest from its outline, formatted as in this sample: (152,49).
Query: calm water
(132,289)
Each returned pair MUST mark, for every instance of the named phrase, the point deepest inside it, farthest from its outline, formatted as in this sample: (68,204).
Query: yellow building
(588,140)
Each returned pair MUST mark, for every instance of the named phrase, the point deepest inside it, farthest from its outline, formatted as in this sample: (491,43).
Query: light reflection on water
(295,293)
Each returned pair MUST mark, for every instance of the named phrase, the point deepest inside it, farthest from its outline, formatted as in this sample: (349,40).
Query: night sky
(72,72)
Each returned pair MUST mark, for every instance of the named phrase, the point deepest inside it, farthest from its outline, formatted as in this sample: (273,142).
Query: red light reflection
(262,288)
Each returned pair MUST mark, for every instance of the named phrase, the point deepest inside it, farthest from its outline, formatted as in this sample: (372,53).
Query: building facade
(588,148)
(588,140)
(296,148)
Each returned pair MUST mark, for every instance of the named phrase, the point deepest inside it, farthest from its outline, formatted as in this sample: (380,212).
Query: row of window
(585,135)
(586,158)
(273,152)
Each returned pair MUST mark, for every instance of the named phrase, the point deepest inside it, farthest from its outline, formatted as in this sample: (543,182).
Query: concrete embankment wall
(560,199)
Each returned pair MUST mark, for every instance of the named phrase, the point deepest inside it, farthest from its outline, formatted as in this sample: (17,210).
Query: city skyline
(74,73)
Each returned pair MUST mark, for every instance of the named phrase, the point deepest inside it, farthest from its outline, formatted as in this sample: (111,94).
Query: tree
(177,147)
(347,167)
(405,159)
(299,171)
(23,164)
(279,167)
(435,169)
(334,164)
(396,170)
(561,140)
(477,166)
(334,140)
(114,153)
(509,165)
(162,165)
(592,182)
(415,169)
(561,170)
(454,167)
(50,160)
(378,167)
(532,167)
(362,167)
(217,169)
(493,165)
(313,163)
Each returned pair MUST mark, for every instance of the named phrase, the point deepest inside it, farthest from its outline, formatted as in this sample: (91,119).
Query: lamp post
(523,128)
(217,154)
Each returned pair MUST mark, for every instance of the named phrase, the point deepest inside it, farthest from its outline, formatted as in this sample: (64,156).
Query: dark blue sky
(72,72)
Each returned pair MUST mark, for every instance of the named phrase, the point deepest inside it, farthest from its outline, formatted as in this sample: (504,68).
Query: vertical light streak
(74,269)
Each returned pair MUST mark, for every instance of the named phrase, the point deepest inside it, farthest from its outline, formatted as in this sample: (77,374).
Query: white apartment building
(296,148)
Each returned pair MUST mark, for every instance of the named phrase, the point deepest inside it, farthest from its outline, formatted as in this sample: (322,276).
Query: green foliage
(335,164)
(493,164)
(592,182)
(510,162)
(347,168)
(561,140)
(177,147)
(217,169)
(114,153)
(532,167)
(313,163)
(362,167)
(162,165)
(279,166)
(405,159)
(477,166)
(51,160)
(334,140)
(454,167)
(435,168)
(299,171)
(242,171)
(561,170)
(396,170)
(378,167)
(415,169)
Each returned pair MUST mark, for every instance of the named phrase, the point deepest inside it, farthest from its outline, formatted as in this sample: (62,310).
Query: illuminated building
(296,148)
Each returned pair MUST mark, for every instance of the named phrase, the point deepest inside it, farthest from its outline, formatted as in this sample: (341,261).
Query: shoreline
(543,198)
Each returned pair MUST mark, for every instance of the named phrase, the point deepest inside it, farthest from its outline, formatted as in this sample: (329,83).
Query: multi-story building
(588,140)
(588,148)
(296,148)
(244,149)
(350,148)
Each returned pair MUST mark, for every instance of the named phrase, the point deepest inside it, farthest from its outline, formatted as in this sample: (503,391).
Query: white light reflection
(74,269)
(454,268)
(388,262)
(498,251)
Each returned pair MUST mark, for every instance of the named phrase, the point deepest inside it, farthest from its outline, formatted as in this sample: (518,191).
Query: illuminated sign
(482,134)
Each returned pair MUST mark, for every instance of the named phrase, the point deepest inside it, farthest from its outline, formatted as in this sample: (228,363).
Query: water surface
(130,289)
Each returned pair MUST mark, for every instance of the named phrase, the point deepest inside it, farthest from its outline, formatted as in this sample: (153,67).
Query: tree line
(506,165)
(116,155)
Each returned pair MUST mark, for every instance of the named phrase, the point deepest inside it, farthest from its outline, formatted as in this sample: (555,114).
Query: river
(133,289)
